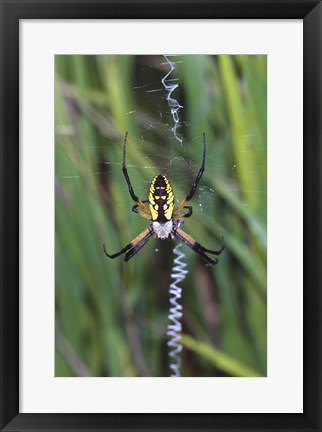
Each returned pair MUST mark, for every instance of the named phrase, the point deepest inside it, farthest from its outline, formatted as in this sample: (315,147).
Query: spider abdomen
(161,199)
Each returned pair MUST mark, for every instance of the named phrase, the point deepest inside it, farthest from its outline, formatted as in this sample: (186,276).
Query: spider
(166,219)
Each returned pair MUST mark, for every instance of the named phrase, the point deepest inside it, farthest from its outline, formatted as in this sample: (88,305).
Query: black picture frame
(11,12)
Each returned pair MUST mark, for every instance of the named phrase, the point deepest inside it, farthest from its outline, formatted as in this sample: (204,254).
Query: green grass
(111,316)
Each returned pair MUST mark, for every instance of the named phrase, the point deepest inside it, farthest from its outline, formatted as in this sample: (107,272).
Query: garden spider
(166,220)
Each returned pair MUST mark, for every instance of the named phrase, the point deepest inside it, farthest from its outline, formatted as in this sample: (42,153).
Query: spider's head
(161,199)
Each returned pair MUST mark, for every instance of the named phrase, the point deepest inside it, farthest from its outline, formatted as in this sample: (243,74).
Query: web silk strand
(174,332)
(179,272)
(170,85)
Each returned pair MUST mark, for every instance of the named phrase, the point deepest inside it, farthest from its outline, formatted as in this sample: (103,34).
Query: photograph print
(160,216)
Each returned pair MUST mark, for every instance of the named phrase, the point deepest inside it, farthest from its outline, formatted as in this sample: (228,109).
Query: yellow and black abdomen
(161,199)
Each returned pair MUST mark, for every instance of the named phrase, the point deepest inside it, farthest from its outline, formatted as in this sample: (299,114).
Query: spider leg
(136,244)
(139,245)
(199,175)
(186,215)
(126,248)
(140,213)
(127,178)
(196,247)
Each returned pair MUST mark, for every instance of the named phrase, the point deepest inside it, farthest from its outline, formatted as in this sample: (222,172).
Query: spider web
(166,115)
(158,90)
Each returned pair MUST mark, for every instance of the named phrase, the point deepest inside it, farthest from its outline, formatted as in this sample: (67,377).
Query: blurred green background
(111,316)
